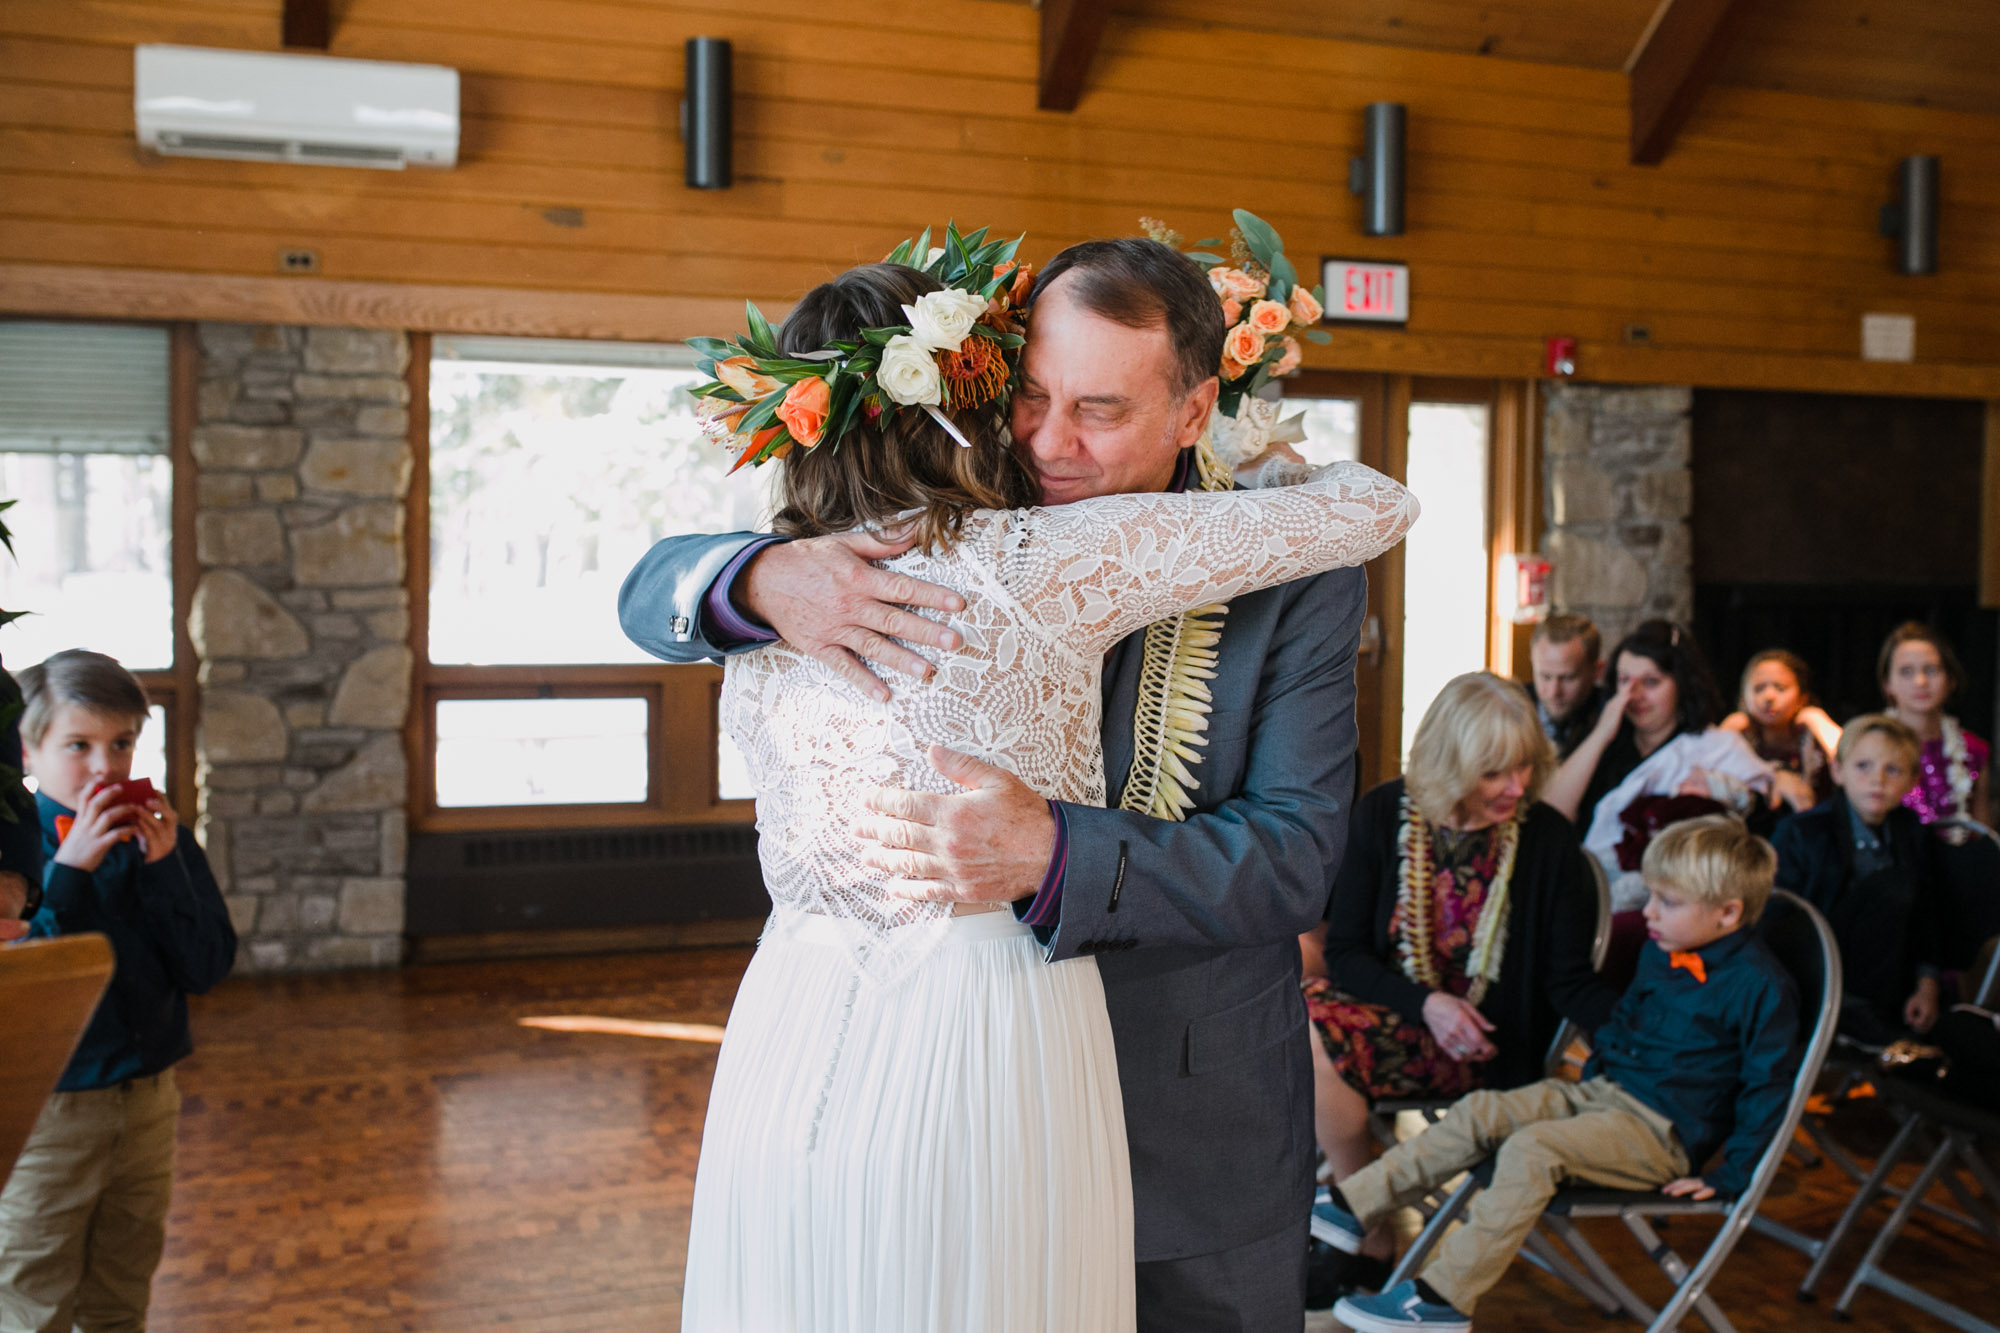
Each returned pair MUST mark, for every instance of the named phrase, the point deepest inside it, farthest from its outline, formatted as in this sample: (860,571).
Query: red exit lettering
(1370,291)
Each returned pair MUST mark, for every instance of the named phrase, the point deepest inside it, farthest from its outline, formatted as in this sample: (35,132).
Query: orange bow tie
(64,823)
(1692,962)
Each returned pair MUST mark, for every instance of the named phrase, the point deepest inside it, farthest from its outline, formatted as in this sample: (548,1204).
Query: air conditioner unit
(261,107)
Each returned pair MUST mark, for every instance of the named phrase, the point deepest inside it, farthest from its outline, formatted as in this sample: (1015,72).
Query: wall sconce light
(1912,220)
(705,130)
(1377,176)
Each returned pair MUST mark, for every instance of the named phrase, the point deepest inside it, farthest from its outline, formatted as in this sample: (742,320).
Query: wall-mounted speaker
(1377,175)
(705,129)
(1913,218)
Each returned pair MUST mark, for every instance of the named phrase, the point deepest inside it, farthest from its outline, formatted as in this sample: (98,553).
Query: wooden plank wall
(1750,254)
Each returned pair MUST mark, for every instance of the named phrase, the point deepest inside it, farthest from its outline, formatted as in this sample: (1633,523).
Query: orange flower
(1235,284)
(1269,317)
(1244,344)
(1231,370)
(1024,282)
(1289,362)
(740,374)
(1306,308)
(804,410)
(1231,311)
(757,443)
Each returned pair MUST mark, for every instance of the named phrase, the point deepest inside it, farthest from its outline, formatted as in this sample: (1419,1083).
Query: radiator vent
(580,849)
(574,879)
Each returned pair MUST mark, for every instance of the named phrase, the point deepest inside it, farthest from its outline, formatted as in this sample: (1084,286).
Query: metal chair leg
(1897,1220)
(1600,1272)
(1863,1196)
(1677,1271)
(1420,1249)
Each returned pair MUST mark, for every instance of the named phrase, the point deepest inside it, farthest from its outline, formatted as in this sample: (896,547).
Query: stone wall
(301,629)
(1615,463)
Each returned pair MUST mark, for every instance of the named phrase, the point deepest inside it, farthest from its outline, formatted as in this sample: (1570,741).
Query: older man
(1194,919)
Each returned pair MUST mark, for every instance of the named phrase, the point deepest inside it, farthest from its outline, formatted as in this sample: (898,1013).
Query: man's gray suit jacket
(1194,924)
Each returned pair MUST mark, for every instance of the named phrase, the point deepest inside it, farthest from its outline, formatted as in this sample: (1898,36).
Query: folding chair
(1873,1183)
(1804,944)
(51,987)
(1958,1129)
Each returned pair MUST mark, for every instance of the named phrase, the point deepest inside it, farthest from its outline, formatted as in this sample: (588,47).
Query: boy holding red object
(83,1217)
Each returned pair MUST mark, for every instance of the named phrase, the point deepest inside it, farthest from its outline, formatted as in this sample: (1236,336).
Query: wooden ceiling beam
(1671,67)
(1070,33)
(307,23)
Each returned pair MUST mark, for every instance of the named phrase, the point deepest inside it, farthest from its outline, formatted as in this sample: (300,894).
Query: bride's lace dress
(915,1122)
(1048,592)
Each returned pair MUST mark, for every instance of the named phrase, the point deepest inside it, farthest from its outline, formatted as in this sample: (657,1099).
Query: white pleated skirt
(941,1155)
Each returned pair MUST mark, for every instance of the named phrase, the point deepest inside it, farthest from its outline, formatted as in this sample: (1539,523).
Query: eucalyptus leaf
(1320,336)
(1264,243)
(1201,257)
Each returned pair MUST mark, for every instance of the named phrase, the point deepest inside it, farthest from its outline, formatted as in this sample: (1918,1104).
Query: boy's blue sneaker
(1400,1307)
(1333,1225)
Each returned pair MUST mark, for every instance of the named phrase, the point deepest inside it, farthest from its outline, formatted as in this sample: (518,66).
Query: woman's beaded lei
(1416,912)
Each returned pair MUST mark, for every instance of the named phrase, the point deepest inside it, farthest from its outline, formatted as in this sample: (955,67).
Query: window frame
(682,701)
(176,687)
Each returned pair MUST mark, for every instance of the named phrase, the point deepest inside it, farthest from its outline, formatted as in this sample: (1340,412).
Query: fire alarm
(1559,357)
(1524,588)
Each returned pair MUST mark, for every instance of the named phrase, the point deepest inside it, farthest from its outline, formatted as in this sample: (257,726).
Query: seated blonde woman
(1459,932)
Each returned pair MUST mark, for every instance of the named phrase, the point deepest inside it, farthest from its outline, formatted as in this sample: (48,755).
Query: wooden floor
(395,1151)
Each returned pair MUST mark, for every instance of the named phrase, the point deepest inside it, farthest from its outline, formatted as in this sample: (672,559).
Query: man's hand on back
(822,597)
(988,844)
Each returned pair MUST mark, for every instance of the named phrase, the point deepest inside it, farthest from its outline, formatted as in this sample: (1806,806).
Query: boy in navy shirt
(1698,1056)
(83,1217)
(1861,858)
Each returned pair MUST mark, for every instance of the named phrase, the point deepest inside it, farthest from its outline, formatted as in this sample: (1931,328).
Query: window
(1445,556)
(87,452)
(553,466)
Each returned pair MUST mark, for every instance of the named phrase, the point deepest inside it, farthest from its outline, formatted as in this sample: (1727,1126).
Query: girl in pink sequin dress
(1919,674)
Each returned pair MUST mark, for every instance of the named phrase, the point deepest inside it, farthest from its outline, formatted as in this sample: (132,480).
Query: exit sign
(1365,291)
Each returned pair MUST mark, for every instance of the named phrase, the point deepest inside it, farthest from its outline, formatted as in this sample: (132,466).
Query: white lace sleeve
(1099,569)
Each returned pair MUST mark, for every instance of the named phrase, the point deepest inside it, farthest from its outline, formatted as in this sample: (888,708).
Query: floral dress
(1384,1054)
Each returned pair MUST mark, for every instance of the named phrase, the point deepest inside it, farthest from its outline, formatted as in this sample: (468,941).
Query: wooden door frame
(1514,525)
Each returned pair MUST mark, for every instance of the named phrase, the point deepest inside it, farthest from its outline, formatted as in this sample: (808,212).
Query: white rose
(909,372)
(942,319)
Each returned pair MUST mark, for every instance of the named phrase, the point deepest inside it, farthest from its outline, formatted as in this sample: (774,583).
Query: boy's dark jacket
(1885,937)
(171,936)
(1716,1057)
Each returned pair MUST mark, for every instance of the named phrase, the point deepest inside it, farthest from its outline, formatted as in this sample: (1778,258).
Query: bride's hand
(823,598)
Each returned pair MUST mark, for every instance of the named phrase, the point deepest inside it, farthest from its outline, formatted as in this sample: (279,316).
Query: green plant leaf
(763,340)
(1320,336)
(1201,257)
(1208,242)
(1264,243)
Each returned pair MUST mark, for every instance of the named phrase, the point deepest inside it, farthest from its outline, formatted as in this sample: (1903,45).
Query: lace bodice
(1047,592)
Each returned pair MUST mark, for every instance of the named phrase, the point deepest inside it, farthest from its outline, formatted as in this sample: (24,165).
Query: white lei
(1414,906)
(1957,767)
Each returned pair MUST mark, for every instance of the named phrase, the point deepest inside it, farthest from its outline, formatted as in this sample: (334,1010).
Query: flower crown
(958,350)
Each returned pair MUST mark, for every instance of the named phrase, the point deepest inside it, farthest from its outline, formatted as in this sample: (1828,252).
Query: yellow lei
(1413,905)
(1174,701)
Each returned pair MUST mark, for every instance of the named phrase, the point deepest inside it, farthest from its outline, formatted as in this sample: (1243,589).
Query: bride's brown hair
(903,460)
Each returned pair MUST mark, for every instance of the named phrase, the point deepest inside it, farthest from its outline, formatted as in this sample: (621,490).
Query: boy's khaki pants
(84,1216)
(1546,1134)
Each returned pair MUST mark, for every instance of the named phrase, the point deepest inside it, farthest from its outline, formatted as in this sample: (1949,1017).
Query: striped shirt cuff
(729,627)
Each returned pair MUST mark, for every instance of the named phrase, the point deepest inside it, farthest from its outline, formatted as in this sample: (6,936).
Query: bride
(915,1123)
